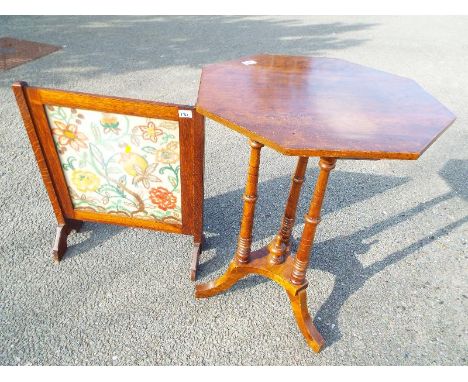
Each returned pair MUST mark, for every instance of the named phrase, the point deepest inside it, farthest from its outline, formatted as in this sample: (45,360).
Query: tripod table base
(261,265)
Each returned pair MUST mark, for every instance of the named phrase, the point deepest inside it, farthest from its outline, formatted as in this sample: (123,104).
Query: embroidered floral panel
(119,164)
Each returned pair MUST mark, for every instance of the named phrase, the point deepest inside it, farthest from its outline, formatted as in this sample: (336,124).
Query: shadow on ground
(157,42)
(339,255)
(97,234)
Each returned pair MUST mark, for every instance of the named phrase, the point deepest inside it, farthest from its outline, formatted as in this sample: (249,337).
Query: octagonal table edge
(342,154)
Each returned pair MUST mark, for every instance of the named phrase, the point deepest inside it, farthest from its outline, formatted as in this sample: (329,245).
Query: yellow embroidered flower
(132,163)
(85,181)
(168,154)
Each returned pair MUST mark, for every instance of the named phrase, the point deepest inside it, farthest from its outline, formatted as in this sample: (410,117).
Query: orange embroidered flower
(69,135)
(163,198)
(150,132)
(110,123)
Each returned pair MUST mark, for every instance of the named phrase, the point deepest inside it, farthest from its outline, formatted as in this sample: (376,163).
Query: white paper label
(185,113)
(249,62)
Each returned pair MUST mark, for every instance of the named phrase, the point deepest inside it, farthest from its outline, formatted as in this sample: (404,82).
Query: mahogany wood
(31,102)
(250,198)
(306,106)
(299,307)
(318,106)
(260,264)
(312,219)
(278,251)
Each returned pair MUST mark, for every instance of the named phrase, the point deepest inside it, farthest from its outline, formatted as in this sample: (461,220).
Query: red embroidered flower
(163,198)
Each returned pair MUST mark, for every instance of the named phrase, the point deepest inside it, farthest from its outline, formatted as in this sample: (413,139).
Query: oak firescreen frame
(173,138)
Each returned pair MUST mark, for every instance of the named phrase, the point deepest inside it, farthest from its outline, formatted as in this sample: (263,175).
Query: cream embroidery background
(119,164)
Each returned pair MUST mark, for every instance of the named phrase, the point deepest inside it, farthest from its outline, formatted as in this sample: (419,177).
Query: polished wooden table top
(315,106)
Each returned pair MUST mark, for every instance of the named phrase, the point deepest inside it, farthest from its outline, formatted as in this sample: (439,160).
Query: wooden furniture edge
(19,89)
(365,155)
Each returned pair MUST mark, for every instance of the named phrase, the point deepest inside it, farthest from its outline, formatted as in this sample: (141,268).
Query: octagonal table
(310,106)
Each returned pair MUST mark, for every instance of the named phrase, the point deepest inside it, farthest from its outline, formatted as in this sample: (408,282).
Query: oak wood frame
(31,102)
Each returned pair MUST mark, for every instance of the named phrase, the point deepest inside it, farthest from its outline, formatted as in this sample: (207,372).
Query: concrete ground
(388,279)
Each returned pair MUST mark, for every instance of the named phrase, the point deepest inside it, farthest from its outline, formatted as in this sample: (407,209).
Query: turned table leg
(242,255)
(312,219)
(299,300)
(281,246)
(250,198)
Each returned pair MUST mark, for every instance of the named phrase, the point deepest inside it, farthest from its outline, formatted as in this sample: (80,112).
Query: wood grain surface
(317,106)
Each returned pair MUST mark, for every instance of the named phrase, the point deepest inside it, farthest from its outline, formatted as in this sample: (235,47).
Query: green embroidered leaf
(110,188)
(173,181)
(166,137)
(70,162)
(68,165)
(117,204)
(162,169)
(62,114)
(96,155)
(157,215)
(149,149)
